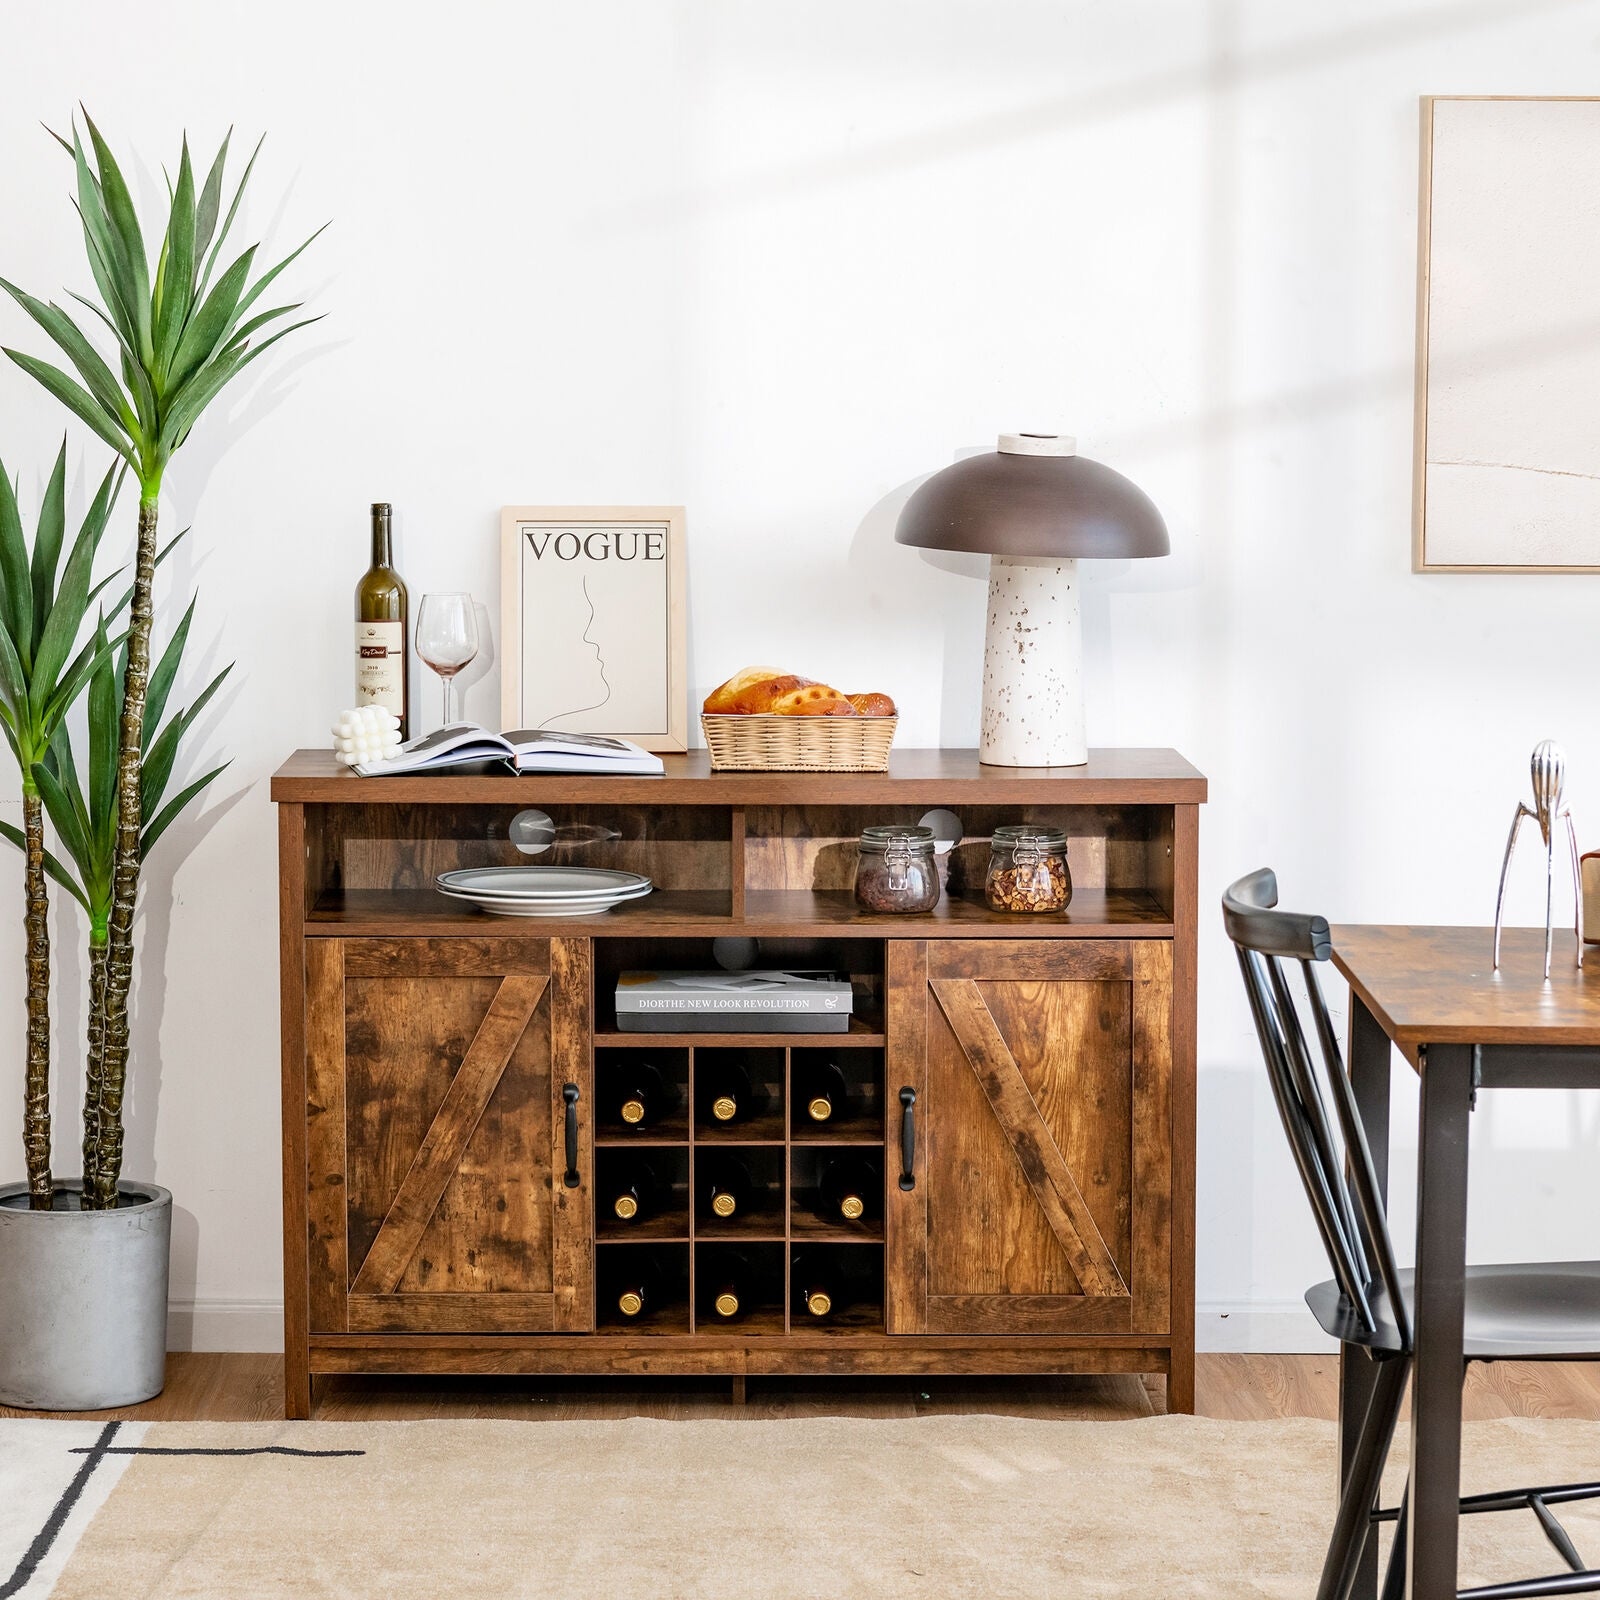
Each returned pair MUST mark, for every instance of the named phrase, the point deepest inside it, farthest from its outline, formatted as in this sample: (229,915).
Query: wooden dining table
(1434,994)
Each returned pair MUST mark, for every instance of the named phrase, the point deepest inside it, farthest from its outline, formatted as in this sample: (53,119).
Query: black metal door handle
(570,1094)
(908,1138)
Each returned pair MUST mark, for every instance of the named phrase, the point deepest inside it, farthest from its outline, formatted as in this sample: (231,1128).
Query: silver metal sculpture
(1549,771)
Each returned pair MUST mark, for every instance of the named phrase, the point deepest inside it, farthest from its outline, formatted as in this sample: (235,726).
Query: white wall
(775,263)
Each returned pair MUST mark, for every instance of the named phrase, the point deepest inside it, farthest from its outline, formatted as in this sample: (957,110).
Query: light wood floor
(249,1388)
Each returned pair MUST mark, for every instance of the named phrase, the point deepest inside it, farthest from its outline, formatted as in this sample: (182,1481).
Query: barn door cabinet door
(1037,1078)
(439,1076)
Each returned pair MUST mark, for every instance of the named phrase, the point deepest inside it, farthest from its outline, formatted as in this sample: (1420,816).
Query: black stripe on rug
(177,1450)
(53,1524)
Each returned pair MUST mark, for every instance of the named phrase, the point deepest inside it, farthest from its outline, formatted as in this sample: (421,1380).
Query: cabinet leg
(296,1385)
(1180,1381)
(738,1390)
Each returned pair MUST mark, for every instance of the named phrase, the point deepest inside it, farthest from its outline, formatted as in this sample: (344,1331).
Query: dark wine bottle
(728,1188)
(826,1095)
(850,1189)
(729,1298)
(645,1098)
(383,676)
(639,1290)
(637,1196)
(816,1297)
(728,1094)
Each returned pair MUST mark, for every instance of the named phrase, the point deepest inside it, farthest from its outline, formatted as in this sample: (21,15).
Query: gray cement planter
(83,1299)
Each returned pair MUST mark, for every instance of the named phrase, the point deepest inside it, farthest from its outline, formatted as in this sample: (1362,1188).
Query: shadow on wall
(148,1003)
(1227,1178)
(898,577)
(1226,67)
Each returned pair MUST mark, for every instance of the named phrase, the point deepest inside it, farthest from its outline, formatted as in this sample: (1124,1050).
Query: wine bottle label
(380,663)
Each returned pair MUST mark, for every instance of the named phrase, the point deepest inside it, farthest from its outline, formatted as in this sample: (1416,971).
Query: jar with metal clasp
(1028,869)
(896,870)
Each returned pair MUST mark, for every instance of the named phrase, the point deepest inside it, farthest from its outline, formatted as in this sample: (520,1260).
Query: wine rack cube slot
(739,1192)
(836,1192)
(642,1288)
(836,1288)
(641,1194)
(642,1096)
(836,1095)
(740,1289)
(738,1094)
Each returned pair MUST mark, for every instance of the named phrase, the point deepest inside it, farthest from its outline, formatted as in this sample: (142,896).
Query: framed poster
(592,622)
(1507,443)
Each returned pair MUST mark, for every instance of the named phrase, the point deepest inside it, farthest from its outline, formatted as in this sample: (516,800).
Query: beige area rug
(729,1510)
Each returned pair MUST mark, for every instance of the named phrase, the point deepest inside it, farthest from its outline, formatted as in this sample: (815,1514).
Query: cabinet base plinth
(554,1355)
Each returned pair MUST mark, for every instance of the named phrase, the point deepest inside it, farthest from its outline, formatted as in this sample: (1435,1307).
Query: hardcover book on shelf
(734,1002)
(465,744)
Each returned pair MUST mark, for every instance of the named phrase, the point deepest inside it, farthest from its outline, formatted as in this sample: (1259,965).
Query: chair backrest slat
(1342,1191)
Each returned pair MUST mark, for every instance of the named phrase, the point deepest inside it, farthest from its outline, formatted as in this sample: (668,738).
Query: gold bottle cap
(818,1303)
(631,1303)
(724,1108)
(724,1204)
(727,1304)
(626,1207)
(633,1111)
(852,1206)
(820,1108)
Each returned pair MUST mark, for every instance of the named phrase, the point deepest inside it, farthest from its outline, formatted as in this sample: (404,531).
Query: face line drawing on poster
(626,676)
(600,661)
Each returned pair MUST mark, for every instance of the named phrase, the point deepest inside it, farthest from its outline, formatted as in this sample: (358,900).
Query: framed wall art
(592,622)
(1507,446)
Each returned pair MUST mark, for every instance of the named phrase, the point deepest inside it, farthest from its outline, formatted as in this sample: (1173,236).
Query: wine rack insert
(454,1084)
(787,1240)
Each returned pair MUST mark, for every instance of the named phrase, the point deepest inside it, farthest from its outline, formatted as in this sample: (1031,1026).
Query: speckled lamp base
(1033,665)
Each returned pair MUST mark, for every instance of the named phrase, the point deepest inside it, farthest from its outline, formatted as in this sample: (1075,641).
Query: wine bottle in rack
(383,675)
(849,1189)
(731,1292)
(816,1297)
(825,1094)
(728,1189)
(728,1092)
(639,1291)
(637,1196)
(645,1098)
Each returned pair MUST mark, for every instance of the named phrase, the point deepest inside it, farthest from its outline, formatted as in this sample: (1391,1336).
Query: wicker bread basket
(761,743)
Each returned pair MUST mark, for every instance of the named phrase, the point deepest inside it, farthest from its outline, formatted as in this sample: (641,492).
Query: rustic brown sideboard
(436,1220)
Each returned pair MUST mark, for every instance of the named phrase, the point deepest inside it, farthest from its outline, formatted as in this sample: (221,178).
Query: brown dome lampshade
(1036,508)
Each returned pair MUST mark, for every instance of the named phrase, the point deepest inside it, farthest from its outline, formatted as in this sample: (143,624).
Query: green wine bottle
(382,614)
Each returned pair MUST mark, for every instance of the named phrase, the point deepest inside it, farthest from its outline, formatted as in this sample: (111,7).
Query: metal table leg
(1440,1293)
(1370,1067)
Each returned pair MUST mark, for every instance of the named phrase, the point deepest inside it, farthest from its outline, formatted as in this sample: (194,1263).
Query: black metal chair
(1535,1312)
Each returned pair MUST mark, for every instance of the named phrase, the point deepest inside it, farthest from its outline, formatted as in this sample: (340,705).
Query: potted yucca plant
(88,1326)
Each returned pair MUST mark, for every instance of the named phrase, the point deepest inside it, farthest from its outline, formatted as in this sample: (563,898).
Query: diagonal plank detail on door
(453,1125)
(1030,1138)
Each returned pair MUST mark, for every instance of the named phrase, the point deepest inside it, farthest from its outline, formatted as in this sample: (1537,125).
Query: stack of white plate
(543,891)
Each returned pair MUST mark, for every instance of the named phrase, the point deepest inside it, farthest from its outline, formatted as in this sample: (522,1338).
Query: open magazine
(462,744)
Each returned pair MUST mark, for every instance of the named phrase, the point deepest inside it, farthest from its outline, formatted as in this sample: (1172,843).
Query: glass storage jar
(896,870)
(1028,869)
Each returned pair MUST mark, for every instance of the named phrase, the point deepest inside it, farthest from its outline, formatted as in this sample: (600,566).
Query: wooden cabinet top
(1111,777)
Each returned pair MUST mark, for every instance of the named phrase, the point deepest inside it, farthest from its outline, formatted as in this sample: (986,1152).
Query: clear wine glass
(447,639)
